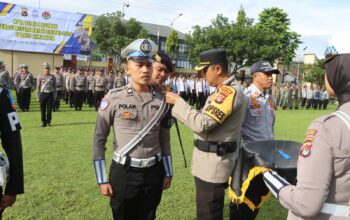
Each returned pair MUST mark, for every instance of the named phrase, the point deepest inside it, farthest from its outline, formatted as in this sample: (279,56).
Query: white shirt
(303,93)
(309,93)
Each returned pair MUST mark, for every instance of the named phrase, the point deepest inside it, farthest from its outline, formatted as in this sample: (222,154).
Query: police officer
(99,87)
(47,93)
(323,169)
(25,82)
(259,119)
(217,131)
(89,94)
(71,88)
(5,80)
(162,67)
(140,170)
(11,142)
(110,80)
(119,81)
(60,86)
(80,87)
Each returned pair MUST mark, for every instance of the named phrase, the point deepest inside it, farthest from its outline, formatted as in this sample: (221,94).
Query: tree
(245,42)
(276,22)
(112,33)
(172,44)
(314,73)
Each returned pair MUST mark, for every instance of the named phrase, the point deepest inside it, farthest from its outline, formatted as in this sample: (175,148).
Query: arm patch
(221,104)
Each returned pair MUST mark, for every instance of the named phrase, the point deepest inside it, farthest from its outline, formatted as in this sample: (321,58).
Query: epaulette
(117,89)
(323,118)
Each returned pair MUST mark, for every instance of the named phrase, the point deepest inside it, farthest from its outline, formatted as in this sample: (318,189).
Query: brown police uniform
(323,170)
(142,169)
(89,94)
(80,88)
(47,88)
(216,128)
(99,89)
(142,157)
(60,88)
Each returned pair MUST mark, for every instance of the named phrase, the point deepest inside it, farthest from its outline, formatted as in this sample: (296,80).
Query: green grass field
(60,180)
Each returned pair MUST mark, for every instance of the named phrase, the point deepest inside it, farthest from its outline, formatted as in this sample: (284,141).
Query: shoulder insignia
(117,89)
(104,104)
(221,106)
(307,145)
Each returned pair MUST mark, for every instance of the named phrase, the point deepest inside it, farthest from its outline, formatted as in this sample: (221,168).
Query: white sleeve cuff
(168,166)
(274,182)
(100,171)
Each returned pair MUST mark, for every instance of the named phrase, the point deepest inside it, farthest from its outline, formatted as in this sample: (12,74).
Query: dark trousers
(242,212)
(315,103)
(309,103)
(209,199)
(71,99)
(303,102)
(24,97)
(137,191)
(193,97)
(325,103)
(200,100)
(320,104)
(78,99)
(46,103)
(66,96)
(183,95)
(98,95)
(90,98)
(57,101)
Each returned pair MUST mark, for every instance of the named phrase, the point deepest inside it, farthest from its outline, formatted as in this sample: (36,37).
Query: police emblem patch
(146,46)
(126,115)
(104,104)
(307,145)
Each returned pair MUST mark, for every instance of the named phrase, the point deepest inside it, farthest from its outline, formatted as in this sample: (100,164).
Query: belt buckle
(145,163)
(221,149)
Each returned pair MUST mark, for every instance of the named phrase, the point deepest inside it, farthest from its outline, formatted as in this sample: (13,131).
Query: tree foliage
(314,73)
(276,22)
(112,33)
(244,41)
(172,44)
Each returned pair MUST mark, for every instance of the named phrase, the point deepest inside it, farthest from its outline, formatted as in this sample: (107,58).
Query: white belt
(336,210)
(139,163)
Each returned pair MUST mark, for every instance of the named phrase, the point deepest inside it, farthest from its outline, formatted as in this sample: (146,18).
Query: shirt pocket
(256,112)
(127,120)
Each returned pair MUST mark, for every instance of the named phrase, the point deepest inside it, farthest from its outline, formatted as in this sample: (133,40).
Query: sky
(315,20)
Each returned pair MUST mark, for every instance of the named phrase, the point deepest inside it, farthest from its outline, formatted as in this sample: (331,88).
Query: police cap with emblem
(264,67)
(163,58)
(338,66)
(24,66)
(1,62)
(46,65)
(210,57)
(140,50)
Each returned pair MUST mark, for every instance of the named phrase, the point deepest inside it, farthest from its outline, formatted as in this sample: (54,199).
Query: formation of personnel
(295,96)
(138,108)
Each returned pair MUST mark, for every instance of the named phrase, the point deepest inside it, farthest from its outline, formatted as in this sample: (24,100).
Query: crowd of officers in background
(89,85)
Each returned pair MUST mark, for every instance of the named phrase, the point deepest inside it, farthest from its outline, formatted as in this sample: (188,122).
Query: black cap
(81,68)
(210,57)
(163,58)
(264,67)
